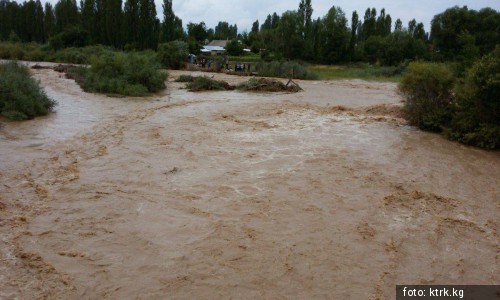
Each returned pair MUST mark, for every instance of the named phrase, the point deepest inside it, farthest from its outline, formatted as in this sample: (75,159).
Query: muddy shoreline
(325,193)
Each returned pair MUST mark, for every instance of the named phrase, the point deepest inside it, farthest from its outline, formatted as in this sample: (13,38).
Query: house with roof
(215,47)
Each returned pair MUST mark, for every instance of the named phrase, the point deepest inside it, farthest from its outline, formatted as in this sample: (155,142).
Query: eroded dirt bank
(239,195)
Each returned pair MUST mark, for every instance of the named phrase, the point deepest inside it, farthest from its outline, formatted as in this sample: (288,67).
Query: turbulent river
(325,193)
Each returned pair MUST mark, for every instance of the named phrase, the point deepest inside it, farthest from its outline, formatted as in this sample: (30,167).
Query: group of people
(203,63)
(207,63)
(238,67)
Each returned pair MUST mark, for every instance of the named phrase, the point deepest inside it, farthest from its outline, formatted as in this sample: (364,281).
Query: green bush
(21,97)
(18,51)
(10,50)
(234,48)
(477,117)
(173,55)
(77,55)
(429,98)
(132,74)
(70,37)
(36,52)
(470,114)
(284,70)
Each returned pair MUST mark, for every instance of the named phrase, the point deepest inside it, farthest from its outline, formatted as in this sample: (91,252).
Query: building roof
(214,48)
(219,43)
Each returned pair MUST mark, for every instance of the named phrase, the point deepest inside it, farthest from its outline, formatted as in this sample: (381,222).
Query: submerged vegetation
(204,83)
(185,78)
(267,85)
(21,97)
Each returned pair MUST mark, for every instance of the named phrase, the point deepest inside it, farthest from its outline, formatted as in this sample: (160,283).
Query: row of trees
(458,33)
(133,24)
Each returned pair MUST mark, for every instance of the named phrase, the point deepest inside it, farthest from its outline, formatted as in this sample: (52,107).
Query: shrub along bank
(21,97)
(466,109)
(128,74)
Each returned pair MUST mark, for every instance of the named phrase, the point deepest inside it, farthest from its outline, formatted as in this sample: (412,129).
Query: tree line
(456,34)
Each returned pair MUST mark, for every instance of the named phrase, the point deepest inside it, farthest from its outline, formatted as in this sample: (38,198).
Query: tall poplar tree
(305,15)
(131,19)
(354,29)
(148,25)
(88,18)
(66,13)
(172,25)
(49,21)
(113,22)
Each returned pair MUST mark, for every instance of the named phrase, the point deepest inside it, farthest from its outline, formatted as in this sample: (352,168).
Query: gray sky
(245,12)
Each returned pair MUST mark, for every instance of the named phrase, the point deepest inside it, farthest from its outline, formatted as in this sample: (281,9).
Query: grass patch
(284,69)
(246,58)
(359,71)
(21,97)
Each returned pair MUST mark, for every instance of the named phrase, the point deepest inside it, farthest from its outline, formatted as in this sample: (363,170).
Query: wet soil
(325,193)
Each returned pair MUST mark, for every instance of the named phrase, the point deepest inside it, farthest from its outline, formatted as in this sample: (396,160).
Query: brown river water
(322,194)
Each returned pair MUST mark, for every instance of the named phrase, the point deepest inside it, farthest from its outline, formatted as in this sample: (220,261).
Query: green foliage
(460,34)
(35,52)
(173,55)
(21,97)
(362,71)
(373,48)
(172,25)
(400,46)
(234,48)
(477,118)
(66,14)
(9,50)
(472,116)
(18,51)
(133,74)
(428,91)
(204,83)
(334,37)
(14,38)
(77,55)
(284,70)
(70,37)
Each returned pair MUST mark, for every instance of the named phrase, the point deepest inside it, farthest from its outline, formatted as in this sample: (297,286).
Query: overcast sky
(245,12)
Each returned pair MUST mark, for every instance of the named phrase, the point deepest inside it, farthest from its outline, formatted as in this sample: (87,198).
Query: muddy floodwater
(322,194)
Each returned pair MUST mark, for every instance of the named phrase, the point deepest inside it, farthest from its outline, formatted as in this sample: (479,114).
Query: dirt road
(323,194)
